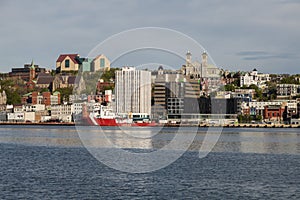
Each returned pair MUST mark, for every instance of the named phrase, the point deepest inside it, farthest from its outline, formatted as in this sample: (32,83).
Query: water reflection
(257,141)
(116,138)
(41,136)
(275,141)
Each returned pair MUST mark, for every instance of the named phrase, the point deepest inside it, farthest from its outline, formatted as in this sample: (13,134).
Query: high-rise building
(133,91)
(170,90)
(167,84)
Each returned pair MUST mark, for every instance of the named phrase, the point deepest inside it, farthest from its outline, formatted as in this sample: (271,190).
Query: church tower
(188,58)
(188,65)
(32,71)
(204,58)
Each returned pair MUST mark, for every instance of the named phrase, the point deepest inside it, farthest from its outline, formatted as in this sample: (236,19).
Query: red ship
(104,116)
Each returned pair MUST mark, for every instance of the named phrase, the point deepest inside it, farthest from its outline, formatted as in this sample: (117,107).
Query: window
(67,63)
(102,62)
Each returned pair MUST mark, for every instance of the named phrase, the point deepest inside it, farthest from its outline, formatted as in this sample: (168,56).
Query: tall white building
(133,91)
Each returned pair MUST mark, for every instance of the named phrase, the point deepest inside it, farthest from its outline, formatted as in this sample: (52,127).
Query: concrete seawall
(239,125)
(39,123)
(165,125)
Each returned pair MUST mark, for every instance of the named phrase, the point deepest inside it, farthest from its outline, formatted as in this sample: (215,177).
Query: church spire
(204,58)
(32,71)
(32,64)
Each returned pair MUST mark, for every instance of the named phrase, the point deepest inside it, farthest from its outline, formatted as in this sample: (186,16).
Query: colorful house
(101,63)
(67,63)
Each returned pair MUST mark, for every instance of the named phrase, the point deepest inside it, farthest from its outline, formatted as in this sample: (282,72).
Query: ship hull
(112,122)
(106,122)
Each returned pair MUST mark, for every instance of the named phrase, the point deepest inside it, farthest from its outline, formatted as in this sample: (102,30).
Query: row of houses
(43,107)
(64,63)
(37,113)
(67,66)
(45,98)
(279,110)
(73,62)
(283,91)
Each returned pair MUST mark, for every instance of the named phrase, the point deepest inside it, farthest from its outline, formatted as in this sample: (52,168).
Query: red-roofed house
(67,62)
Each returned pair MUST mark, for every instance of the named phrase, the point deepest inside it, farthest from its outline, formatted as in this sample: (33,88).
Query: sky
(238,34)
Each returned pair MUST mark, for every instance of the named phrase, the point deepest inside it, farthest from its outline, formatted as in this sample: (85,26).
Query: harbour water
(50,162)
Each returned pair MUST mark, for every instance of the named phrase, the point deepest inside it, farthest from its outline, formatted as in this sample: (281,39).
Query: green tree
(236,83)
(13,97)
(258,117)
(272,90)
(108,75)
(65,93)
(229,87)
(244,118)
(289,80)
(44,90)
(13,93)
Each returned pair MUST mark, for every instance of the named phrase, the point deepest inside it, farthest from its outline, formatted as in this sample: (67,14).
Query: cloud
(44,29)
(289,1)
(252,53)
(263,55)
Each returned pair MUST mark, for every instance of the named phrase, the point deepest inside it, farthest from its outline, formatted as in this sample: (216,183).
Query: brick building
(274,113)
(26,72)
(45,98)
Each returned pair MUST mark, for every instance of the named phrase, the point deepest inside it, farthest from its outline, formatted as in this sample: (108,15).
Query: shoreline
(39,123)
(161,125)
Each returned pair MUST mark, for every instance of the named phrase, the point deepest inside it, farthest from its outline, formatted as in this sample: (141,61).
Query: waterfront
(50,162)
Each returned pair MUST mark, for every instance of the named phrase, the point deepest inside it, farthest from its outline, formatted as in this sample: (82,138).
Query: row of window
(273,114)
(102,63)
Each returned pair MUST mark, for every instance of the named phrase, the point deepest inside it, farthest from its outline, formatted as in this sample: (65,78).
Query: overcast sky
(239,35)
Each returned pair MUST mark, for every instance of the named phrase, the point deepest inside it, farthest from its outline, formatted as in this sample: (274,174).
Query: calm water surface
(41,162)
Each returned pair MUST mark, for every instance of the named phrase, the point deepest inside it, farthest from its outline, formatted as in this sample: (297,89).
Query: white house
(16,116)
(255,78)
(62,112)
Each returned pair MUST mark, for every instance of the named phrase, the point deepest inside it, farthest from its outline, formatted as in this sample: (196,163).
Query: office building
(133,91)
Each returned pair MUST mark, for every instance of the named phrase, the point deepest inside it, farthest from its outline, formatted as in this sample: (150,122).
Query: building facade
(287,90)
(73,62)
(205,74)
(45,98)
(30,71)
(167,84)
(67,63)
(101,63)
(133,91)
(62,112)
(274,113)
(254,78)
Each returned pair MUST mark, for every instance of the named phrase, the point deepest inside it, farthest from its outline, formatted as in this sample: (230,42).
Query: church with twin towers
(198,70)
(208,75)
